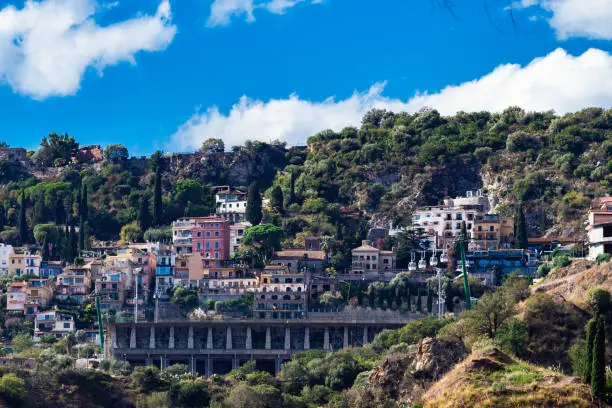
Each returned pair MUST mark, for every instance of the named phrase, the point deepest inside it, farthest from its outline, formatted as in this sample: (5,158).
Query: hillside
(490,378)
(573,282)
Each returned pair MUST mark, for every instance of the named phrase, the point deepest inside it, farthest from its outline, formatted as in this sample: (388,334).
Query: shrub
(192,393)
(147,378)
(12,388)
(561,261)
(577,357)
(602,258)
(543,270)
(598,300)
(512,337)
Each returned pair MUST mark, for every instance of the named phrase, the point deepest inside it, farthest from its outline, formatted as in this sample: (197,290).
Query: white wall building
(5,251)
(236,234)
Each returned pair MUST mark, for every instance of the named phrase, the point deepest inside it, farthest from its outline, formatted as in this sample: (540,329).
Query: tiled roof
(300,253)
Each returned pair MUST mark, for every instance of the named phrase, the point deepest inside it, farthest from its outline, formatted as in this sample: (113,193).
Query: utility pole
(466,285)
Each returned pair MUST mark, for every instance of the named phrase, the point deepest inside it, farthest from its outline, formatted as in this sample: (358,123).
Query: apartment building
(52,322)
(24,262)
(236,234)
(207,236)
(281,294)
(29,296)
(490,231)
(164,270)
(226,284)
(74,284)
(297,259)
(111,289)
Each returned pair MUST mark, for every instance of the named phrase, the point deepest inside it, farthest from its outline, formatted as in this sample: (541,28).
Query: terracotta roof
(19,284)
(301,253)
(365,248)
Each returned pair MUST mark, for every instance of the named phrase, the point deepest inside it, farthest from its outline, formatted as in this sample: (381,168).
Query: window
(199,234)
(216,255)
(216,245)
(492,228)
(216,233)
(208,245)
(199,246)
(66,325)
(208,233)
(385,261)
(459,216)
(373,257)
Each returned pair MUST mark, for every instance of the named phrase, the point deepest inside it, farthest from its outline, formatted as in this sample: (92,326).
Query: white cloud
(46,47)
(557,81)
(222,11)
(581,18)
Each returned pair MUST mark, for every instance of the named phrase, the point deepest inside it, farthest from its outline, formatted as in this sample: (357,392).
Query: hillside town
(199,276)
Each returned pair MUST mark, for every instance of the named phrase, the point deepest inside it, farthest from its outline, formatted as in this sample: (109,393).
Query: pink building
(211,238)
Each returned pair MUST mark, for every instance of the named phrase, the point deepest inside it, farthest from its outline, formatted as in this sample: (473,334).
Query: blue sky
(166,75)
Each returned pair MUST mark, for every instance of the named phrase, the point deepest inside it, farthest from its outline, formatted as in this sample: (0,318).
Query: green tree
(13,390)
(598,300)
(276,199)
(186,299)
(212,145)
(144,216)
(130,233)
(253,210)
(590,329)
(265,237)
(490,313)
(22,342)
(23,223)
(115,153)
(46,233)
(598,370)
(521,229)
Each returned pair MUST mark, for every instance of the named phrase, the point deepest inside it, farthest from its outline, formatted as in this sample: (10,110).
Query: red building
(211,237)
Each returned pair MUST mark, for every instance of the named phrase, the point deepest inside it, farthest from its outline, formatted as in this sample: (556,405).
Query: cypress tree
(448,297)
(2,216)
(73,244)
(429,301)
(598,368)
(588,354)
(157,198)
(464,230)
(82,234)
(22,223)
(521,241)
(419,307)
(84,209)
(39,208)
(144,216)
(276,200)
(253,210)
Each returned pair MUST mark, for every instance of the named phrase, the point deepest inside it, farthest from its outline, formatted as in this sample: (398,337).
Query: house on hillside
(599,228)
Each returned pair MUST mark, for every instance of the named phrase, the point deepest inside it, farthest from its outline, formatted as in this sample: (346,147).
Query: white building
(5,251)
(369,260)
(599,229)
(236,234)
(54,323)
(231,204)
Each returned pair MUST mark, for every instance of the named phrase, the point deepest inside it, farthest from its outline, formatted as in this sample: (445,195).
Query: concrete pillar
(287,338)
(228,338)
(365,335)
(326,339)
(133,337)
(268,339)
(171,340)
(249,340)
(190,364)
(114,334)
(307,338)
(163,362)
(278,366)
(190,338)
(345,343)
(209,339)
(208,368)
(152,338)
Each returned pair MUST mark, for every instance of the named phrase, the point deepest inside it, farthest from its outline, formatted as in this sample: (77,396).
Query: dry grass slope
(490,378)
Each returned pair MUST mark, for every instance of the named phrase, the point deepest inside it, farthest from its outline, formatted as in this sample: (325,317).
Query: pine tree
(429,301)
(144,216)
(588,353)
(598,368)
(22,223)
(157,198)
(253,210)
(521,229)
(276,201)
